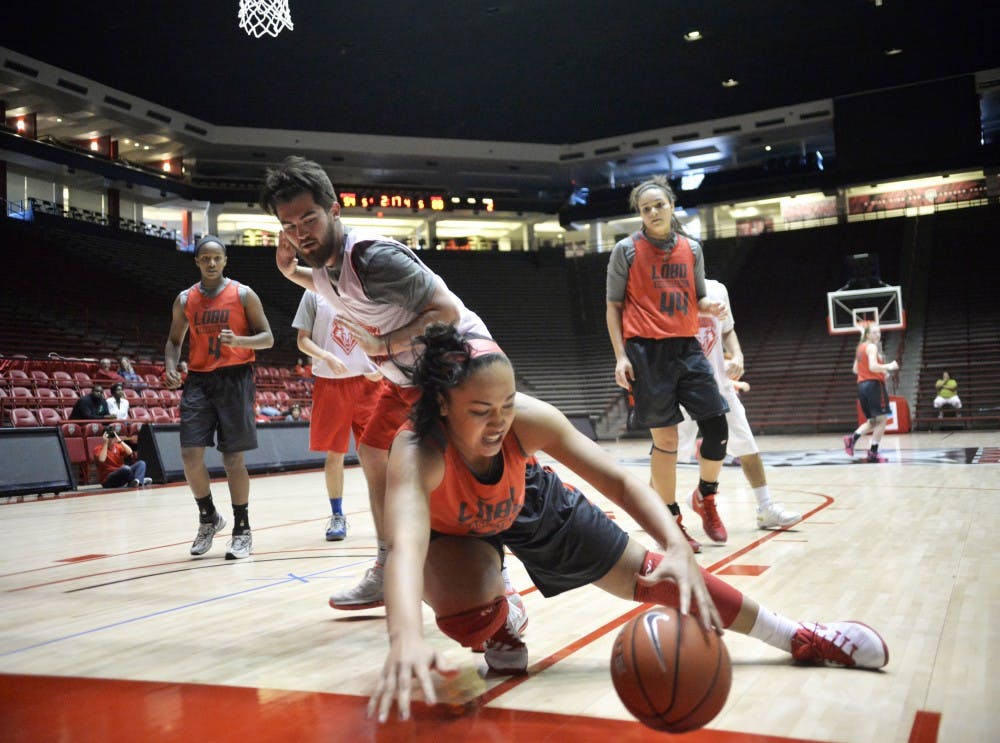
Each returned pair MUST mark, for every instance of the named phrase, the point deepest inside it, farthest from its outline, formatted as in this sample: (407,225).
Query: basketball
(669,672)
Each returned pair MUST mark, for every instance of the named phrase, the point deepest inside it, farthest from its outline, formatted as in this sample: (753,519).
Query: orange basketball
(669,672)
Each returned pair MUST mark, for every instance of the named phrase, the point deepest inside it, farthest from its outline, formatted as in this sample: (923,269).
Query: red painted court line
(925,727)
(118,711)
(81,558)
(743,570)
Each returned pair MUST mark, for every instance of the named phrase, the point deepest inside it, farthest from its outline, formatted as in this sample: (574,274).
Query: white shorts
(741,441)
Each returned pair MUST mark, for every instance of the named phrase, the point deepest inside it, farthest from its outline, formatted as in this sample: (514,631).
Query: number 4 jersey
(208,316)
(658,286)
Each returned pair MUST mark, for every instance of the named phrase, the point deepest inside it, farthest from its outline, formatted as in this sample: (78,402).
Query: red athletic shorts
(338,407)
(391,411)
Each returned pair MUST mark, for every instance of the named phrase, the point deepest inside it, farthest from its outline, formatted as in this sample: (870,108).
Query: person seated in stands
(303,369)
(106,374)
(258,414)
(117,403)
(92,406)
(294,413)
(113,472)
(130,375)
(947,394)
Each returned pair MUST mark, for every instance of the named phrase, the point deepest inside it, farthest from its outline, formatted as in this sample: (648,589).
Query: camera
(109,432)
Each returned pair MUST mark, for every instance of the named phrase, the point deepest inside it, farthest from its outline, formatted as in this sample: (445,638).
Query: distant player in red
(347,387)
(464,486)
(227,324)
(871,370)
(656,288)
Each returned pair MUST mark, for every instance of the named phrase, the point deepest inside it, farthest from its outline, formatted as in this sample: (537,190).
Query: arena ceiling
(539,72)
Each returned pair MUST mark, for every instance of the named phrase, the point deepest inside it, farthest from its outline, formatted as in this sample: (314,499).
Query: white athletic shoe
(505,651)
(776,516)
(206,532)
(366,595)
(842,644)
(240,546)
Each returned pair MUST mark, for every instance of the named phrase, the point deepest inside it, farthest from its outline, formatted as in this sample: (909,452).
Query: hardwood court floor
(111,632)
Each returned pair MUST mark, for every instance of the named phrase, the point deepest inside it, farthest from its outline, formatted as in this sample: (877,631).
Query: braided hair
(448,359)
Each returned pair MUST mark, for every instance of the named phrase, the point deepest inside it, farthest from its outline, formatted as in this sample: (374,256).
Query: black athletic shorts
(670,372)
(220,400)
(874,398)
(563,540)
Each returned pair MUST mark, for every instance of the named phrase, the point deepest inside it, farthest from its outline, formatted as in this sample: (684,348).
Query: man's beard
(327,245)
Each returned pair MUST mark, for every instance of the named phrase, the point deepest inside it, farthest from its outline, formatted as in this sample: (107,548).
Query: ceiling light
(730,83)
(58,119)
(693,36)
(893,52)
(767,148)
(21,126)
(145,147)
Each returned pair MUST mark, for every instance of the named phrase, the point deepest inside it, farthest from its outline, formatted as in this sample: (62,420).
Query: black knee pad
(714,433)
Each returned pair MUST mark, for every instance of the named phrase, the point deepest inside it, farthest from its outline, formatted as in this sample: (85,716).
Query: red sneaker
(704,506)
(695,545)
(849,445)
(845,644)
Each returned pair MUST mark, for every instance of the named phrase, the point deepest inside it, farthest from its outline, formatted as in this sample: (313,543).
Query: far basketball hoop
(259,17)
(849,309)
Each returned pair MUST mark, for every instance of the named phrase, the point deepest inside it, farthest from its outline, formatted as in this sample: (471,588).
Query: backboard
(847,309)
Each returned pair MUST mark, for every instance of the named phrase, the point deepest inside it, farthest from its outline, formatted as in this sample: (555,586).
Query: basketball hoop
(259,17)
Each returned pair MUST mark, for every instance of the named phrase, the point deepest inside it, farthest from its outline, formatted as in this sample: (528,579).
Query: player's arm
(262,337)
(172,352)
(624,373)
(310,347)
(442,306)
(731,343)
(413,473)
(288,264)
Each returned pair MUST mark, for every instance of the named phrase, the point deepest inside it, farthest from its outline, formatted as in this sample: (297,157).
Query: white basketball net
(259,17)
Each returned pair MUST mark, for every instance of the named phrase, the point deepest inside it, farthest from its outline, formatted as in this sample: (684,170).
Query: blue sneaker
(336,528)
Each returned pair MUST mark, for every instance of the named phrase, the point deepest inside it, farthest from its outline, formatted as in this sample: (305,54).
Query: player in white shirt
(716,338)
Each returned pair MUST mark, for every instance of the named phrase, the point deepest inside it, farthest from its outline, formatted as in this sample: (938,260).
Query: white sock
(773,629)
(762,496)
(383,552)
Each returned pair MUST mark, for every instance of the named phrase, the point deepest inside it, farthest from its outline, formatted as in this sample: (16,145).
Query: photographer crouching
(111,456)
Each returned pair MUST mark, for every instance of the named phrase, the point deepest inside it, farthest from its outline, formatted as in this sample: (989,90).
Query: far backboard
(848,309)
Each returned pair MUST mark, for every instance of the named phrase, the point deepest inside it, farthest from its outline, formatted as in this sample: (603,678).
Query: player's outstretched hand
(173,379)
(409,657)
(678,565)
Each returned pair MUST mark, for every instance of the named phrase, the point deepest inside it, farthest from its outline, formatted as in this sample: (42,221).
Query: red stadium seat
(47,397)
(23,418)
(267,398)
(82,379)
(154,380)
(49,417)
(140,413)
(19,377)
(175,414)
(283,398)
(170,398)
(68,393)
(150,397)
(160,415)
(131,395)
(77,449)
(40,379)
(62,379)
(66,413)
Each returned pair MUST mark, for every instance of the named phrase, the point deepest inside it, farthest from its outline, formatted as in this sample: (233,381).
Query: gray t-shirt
(389,275)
